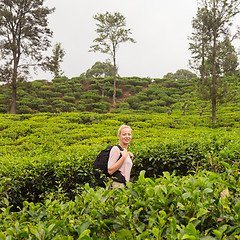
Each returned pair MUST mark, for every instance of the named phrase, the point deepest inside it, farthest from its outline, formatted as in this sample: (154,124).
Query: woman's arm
(114,164)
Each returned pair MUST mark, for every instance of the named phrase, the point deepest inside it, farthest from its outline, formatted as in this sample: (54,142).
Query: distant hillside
(69,95)
(80,94)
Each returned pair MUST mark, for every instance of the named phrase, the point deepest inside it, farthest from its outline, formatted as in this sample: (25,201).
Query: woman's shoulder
(116,148)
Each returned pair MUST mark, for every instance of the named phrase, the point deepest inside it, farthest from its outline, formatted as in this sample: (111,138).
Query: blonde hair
(122,127)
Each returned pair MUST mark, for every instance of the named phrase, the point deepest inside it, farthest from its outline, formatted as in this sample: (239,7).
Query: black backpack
(100,168)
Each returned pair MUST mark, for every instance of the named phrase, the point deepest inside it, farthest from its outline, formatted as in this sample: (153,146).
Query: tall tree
(53,62)
(111,29)
(211,28)
(24,34)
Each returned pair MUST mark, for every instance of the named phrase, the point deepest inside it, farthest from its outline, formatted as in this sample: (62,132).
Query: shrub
(63,146)
(118,92)
(3,108)
(168,207)
(24,109)
(69,99)
(123,105)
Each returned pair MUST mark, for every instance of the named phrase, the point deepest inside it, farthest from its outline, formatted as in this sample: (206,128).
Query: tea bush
(44,152)
(203,206)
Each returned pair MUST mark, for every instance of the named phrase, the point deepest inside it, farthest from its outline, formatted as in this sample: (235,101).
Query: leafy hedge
(46,152)
(69,95)
(203,206)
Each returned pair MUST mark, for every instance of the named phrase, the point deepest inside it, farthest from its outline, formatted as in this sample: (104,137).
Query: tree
(53,63)
(181,74)
(211,32)
(23,36)
(227,57)
(184,104)
(200,106)
(111,32)
(169,110)
(101,69)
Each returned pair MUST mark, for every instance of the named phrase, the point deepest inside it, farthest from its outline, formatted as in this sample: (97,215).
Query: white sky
(160,27)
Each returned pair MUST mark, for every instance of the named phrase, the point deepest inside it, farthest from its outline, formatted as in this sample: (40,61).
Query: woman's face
(125,136)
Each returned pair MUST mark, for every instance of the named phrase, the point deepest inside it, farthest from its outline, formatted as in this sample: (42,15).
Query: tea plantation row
(203,206)
(43,153)
(185,177)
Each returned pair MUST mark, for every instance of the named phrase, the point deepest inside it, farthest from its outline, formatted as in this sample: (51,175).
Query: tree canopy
(211,45)
(53,63)
(24,34)
(111,30)
(101,69)
(180,74)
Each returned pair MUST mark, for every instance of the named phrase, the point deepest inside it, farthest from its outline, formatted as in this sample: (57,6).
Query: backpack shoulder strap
(119,147)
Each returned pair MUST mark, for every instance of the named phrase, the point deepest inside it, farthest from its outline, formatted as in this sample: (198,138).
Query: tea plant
(45,152)
(168,207)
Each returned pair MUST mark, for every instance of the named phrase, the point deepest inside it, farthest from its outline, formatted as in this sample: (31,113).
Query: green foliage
(160,95)
(112,31)
(114,28)
(76,94)
(181,74)
(184,181)
(136,94)
(100,69)
(43,152)
(168,207)
(212,48)
(53,63)
(24,35)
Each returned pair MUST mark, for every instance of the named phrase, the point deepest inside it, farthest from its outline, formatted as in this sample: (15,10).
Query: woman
(124,163)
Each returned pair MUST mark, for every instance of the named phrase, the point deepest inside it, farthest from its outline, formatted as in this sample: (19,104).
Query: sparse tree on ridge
(53,62)
(181,74)
(24,34)
(111,32)
(210,44)
(101,69)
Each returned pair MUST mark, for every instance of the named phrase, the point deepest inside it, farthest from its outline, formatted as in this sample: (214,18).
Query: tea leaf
(124,234)
(207,190)
(202,212)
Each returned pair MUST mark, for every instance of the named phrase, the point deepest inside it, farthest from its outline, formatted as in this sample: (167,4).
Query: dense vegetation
(133,95)
(185,179)
(167,207)
(189,187)
(69,95)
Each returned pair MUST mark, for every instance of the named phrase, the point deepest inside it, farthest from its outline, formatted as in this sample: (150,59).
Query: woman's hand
(124,153)
(131,155)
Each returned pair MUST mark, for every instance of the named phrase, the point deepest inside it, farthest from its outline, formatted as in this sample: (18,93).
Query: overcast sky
(160,27)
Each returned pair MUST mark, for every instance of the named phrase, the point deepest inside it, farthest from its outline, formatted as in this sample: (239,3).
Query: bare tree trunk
(13,109)
(184,107)
(214,106)
(202,68)
(214,87)
(200,110)
(114,78)
(214,73)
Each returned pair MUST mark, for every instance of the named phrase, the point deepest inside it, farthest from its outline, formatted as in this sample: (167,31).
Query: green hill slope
(133,94)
